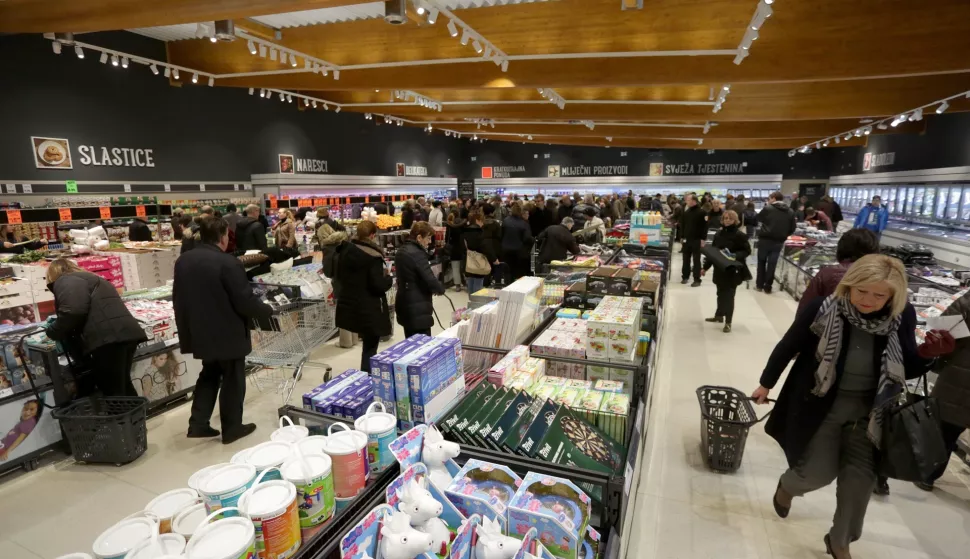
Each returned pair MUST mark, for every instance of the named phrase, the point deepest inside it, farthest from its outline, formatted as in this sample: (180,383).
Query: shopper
(854,349)
(332,245)
(516,242)
(285,232)
(138,230)
(214,305)
(456,247)
(407,215)
(473,237)
(676,216)
(554,243)
(714,214)
(873,216)
(593,221)
(818,219)
(232,217)
(835,213)
(694,230)
(565,208)
(540,218)
(250,231)
(750,219)
(733,244)
(176,219)
(94,326)
(852,246)
(13,243)
(416,283)
(492,232)
(777,223)
(323,217)
(190,233)
(436,217)
(362,305)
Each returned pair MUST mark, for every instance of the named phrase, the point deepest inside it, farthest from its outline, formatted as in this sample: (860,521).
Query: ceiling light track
(416,98)
(456,27)
(258,46)
(721,98)
(761,14)
(124,60)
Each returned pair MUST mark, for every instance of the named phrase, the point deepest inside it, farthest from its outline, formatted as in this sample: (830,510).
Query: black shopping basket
(108,430)
(726,416)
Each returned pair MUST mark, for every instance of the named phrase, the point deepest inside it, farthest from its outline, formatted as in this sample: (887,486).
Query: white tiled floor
(685,511)
(63,506)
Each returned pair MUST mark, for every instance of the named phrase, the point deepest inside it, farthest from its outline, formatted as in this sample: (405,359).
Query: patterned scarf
(829,328)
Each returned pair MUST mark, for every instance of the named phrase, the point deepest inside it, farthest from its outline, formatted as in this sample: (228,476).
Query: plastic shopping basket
(726,416)
(105,430)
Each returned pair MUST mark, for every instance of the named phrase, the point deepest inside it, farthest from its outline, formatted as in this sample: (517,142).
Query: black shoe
(828,546)
(767,291)
(202,433)
(780,510)
(697,283)
(925,486)
(246,429)
(882,487)
(727,328)
(715,319)
(758,289)
(685,280)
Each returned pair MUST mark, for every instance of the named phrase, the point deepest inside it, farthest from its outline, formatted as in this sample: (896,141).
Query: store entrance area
(684,510)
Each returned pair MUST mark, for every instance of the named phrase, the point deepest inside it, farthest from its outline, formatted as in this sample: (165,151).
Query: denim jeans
(474,284)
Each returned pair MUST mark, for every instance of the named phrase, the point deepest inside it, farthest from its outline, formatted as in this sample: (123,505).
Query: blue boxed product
(558,509)
(383,373)
(483,488)
(338,388)
(402,383)
(436,381)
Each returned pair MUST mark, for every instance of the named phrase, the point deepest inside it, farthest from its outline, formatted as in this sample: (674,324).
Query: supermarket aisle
(81,501)
(683,510)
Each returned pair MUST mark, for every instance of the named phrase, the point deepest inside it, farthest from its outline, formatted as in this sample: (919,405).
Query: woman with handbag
(480,254)
(855,349)
(728,277)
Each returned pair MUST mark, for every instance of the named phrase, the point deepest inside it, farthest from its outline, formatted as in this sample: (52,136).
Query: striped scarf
(829,328)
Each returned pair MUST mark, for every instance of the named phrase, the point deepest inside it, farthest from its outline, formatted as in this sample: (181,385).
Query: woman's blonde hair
(874,268)
(60,267)
(732,215)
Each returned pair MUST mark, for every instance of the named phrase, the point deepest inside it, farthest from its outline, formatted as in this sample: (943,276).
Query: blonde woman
(855,349)
(727,276)
(285,230)
(95,326)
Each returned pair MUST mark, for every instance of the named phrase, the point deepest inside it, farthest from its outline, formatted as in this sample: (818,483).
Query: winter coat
(516,236)
(214,305)
(620,210)
(492,233)
(539,220)
(714,219)
(798,413)
(693,225)
(456,249)
(824,282)
(836,213)
(553,244)
(190,238)
(562,212)
(473,237)
(952,388)
(232,218)
(138,230)
(416,284)
(362,305)
(823,221)
(436,217)
(644,204)
(777,222)
(90,314)
(732,239)
(332,246)
(286,234)
(250,235)
(407,219)
(872,218)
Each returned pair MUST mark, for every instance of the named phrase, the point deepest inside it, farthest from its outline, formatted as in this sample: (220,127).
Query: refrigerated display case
(929,196)
(953,208)
(942,197)
(890,199)
(915,209)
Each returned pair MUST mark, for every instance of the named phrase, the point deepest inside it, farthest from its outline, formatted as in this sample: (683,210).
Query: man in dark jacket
(214,305)
(250,231)
(693,226)
(138,230)
(565,209)
(777,224)
(232,217)
(492,235)
(554,242)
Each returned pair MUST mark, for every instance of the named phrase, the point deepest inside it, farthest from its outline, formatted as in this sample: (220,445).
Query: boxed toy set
(558,510)
(485,489)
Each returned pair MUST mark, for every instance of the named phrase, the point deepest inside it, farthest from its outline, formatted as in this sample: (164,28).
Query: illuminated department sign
(700,168)
(587,170)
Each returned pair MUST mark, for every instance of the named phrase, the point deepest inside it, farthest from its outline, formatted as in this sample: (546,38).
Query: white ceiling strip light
(416,98)
(123,60)
(761,13)
(458,28)
(721,97)
(310,63)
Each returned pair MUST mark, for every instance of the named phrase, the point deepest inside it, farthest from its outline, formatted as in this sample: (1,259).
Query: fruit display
(388,221)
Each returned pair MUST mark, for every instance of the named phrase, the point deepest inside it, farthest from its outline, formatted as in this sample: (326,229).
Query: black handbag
(912,446)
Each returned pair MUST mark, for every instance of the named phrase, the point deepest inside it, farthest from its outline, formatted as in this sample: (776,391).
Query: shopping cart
(285,341)
(726,416)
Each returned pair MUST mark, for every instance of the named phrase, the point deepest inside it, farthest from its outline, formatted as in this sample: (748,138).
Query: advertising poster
(286,163)
(164,373)
(51,153)
(26,426)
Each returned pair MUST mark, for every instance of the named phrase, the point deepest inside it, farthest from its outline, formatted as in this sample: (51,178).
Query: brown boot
(781,501)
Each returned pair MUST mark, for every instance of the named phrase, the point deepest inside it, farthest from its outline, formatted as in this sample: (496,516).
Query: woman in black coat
(416,283)
(473,237)
(94,325)
(516,242)
(855,349)
(362,303)
(728,278)
(407,215)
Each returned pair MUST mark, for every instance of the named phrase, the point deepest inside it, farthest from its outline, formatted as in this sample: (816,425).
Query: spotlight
(292,61)
(825,143)
(400,123)
(314,104)
(837,139)
(817,145)
(195,78)
(420,9)
(337,110)
(167,72)
(273,55)
(212,39)
(262,51)
(326,107)
(78,51)
(727,88)
(867,130)
(251,91)
(282,97)
(505,65)
(124,61)
(212,81)
(282,57)
(474,137)
(488,52)
(433,16)
(477,46)
(882,126)
(848,137)
(104,57)
(336,74)
(57,47)
(464,38)
(153,68)
(262,92)
(114,59)
(252,46)
(529,136)
(452,28)
(896,121)
(939,110)
(289,98)
(175,73)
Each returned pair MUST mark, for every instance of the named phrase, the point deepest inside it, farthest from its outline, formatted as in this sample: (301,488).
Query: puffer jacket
(138,230)
(331,246)
(250,235)
(90,311)
(416,284)
(492,232)
(362,305)
(952,388)
(734,240)
(516,235)
(777,222)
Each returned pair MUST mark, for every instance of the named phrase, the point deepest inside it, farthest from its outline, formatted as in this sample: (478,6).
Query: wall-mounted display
(51,153)
(286,164)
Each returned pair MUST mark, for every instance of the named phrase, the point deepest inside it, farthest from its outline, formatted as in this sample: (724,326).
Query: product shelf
(82,213)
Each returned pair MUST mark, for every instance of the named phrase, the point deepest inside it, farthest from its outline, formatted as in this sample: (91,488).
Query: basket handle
(763,417)
(288,420)
(212,515)
(244,498)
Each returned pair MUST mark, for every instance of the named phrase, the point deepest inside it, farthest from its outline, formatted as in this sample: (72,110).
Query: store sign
(873,160)
(411,170)
(311,166)
(501,172)
(659,169)
(103,156)
(587,170)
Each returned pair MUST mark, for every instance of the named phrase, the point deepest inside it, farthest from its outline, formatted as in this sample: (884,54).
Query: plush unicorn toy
(435,453)
(424,511)
(492,544)
(399,540)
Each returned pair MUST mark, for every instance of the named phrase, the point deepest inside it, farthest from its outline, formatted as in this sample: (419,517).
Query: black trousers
(768,252)
(369,350)
(725,301)
(227,380)
(409,333)
(111,370)
(518,265)
(692,253)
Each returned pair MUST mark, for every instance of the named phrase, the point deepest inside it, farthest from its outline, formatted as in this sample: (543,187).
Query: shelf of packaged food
(276,202)
(82,213)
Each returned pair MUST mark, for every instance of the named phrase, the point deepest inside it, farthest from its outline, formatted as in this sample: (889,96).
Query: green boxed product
(609,386)
(614,415)
(540,425)
(458,431)
(590,404)
(569,396)
(495,411)
(547,391)
(513,438)
(579,383)
(468,403)
(571,441)
(476,421)
(498,430)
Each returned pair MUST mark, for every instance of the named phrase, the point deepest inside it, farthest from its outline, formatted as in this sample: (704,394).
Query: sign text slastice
(104,156)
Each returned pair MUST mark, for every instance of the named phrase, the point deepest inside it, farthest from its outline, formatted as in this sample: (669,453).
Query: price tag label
(201,188)
(235,187)
(127,188)
(71,186)
(13,217)
(11,188)
(383,198)
(105,212)
(28,189)
(168,188)
(140,211)
(273,203)
(64,214)
(347,200)
(367,199)
(304,203)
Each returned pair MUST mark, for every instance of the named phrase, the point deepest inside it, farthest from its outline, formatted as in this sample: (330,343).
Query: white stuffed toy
(399,540)
(492,544)
(424,511)
(435,453)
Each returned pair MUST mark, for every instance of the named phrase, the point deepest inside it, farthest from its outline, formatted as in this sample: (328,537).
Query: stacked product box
(612,334)
(502,371)
(145,268)
(382,369)
(565,337)
(157,318)
(340,392)
(436,380)
(430,387)
(108,267)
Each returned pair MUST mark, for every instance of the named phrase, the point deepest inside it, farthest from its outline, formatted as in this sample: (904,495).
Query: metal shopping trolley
(284,342)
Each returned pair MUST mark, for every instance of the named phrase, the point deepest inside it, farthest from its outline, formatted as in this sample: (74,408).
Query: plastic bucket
(188,520)
(348,451)
(341,504)
(269,456)
(228,538)
(78,555)
(313,477)
(289,433)
(380,428)
(271,505)
(240,457)
(312,445)
(223,487)
(117,541)
(164,544)
(166,505)
(196,478)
